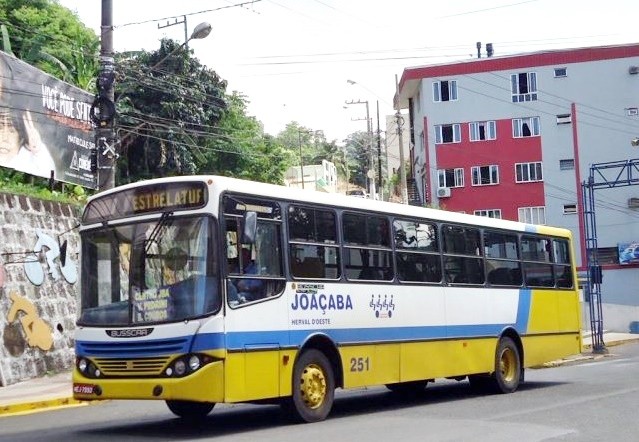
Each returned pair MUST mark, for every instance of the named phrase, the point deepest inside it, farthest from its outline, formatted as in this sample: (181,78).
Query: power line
(153,20)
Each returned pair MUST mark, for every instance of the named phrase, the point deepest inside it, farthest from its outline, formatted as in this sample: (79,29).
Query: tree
(52,38)
(240,148)
(357,152)
(168,105)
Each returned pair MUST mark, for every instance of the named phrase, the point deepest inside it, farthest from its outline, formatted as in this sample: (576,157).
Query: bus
(205,289)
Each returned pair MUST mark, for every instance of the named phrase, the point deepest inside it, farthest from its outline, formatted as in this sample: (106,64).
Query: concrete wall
(37,299)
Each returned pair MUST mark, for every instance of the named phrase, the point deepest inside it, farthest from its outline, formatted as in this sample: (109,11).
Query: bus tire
(407,388)
(313,388)
(190,409)
(508,371)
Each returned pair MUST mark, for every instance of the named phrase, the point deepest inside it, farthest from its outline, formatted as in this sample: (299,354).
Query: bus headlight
(82,365)
(180,367)
(194,362)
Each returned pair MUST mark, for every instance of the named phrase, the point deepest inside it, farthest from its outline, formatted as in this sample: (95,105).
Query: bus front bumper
(205,385)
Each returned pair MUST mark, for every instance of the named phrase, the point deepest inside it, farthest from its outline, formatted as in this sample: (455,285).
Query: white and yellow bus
(202,290)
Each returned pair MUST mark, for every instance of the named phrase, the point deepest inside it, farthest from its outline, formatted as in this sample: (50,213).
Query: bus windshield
(149,272)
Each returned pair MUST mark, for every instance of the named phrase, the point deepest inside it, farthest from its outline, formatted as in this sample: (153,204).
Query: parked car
(359,193)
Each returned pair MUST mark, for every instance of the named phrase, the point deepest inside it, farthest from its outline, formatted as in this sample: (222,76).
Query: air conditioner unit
(633,203)
(443,192)
(633,70)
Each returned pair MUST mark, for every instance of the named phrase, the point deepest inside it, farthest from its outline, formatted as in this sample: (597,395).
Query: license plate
(83,388)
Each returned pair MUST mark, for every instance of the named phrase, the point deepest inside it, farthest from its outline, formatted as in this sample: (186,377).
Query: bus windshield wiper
(155,233)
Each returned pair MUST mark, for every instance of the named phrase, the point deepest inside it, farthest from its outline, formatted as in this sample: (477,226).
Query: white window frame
(561,72)
(518,93)
(490,130)
(534,125)
(529,172)
(458,173)
(439,135)
(437,90)
(564,119)
(567,164)
(493,175)
(532,215)
(490,213)
(570,209)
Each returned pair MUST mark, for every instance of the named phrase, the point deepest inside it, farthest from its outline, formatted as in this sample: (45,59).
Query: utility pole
(103,108)
(299,138)
(379,157)
(176,22)
(369,142)
(402,170)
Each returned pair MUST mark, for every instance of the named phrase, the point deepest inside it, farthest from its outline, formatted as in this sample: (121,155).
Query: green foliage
(176,119)
(240,148)
(52,38)
(169,105)
(358,154)
(22,184)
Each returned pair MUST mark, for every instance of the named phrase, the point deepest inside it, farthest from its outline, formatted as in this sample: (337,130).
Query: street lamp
(201,31)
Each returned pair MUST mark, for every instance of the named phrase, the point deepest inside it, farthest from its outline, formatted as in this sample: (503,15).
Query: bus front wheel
(313,387)
(190,409)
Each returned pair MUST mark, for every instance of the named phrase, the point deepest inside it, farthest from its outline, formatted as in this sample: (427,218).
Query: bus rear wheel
(508,372)
(190,409)
(313,388)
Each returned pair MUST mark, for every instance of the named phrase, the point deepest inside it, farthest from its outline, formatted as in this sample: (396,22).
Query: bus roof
(221,184)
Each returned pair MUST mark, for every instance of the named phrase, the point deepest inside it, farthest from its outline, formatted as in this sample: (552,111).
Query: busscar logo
(129,332)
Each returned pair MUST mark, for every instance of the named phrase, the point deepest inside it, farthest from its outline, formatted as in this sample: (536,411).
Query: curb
(36,406)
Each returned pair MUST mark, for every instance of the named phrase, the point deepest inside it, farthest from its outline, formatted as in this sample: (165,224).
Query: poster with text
(44,125)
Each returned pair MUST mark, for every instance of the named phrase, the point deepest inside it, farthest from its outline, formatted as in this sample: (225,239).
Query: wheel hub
(507,365)
(313,386)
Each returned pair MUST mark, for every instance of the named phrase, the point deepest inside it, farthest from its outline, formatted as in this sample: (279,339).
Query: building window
(523,87)
(570,209)
(485,175)
(560,72)
(445,90)
(526,127)
(567,164)
(490,213)
(451,177)
(606,255)
(447,133)
(528,172)
(482,130)
(532,215)
(564,119)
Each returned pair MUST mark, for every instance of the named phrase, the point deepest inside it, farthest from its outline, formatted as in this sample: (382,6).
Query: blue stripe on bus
(295,338)
(523,310)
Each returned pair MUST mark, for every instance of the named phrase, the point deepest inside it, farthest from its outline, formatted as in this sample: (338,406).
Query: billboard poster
(628,252)
(45,126)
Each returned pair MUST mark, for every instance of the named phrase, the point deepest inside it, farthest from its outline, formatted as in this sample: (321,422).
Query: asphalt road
(588,401)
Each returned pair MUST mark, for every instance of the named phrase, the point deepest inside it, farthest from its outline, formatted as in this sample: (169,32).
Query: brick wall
(38,299)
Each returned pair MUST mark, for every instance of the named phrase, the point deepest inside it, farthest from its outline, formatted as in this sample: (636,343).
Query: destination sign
(148,199)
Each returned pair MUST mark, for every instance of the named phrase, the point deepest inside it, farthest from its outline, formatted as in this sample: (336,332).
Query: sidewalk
(55,391)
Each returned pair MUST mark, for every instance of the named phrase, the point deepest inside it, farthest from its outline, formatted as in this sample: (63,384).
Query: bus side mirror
(250,228)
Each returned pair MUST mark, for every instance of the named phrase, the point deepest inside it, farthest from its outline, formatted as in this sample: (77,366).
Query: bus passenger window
(367,253)
(313,249)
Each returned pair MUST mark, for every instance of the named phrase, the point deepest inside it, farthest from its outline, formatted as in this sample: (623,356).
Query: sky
(292,59)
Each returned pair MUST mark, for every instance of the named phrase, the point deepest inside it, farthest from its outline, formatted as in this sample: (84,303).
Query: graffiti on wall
(54,258)
(37,331)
